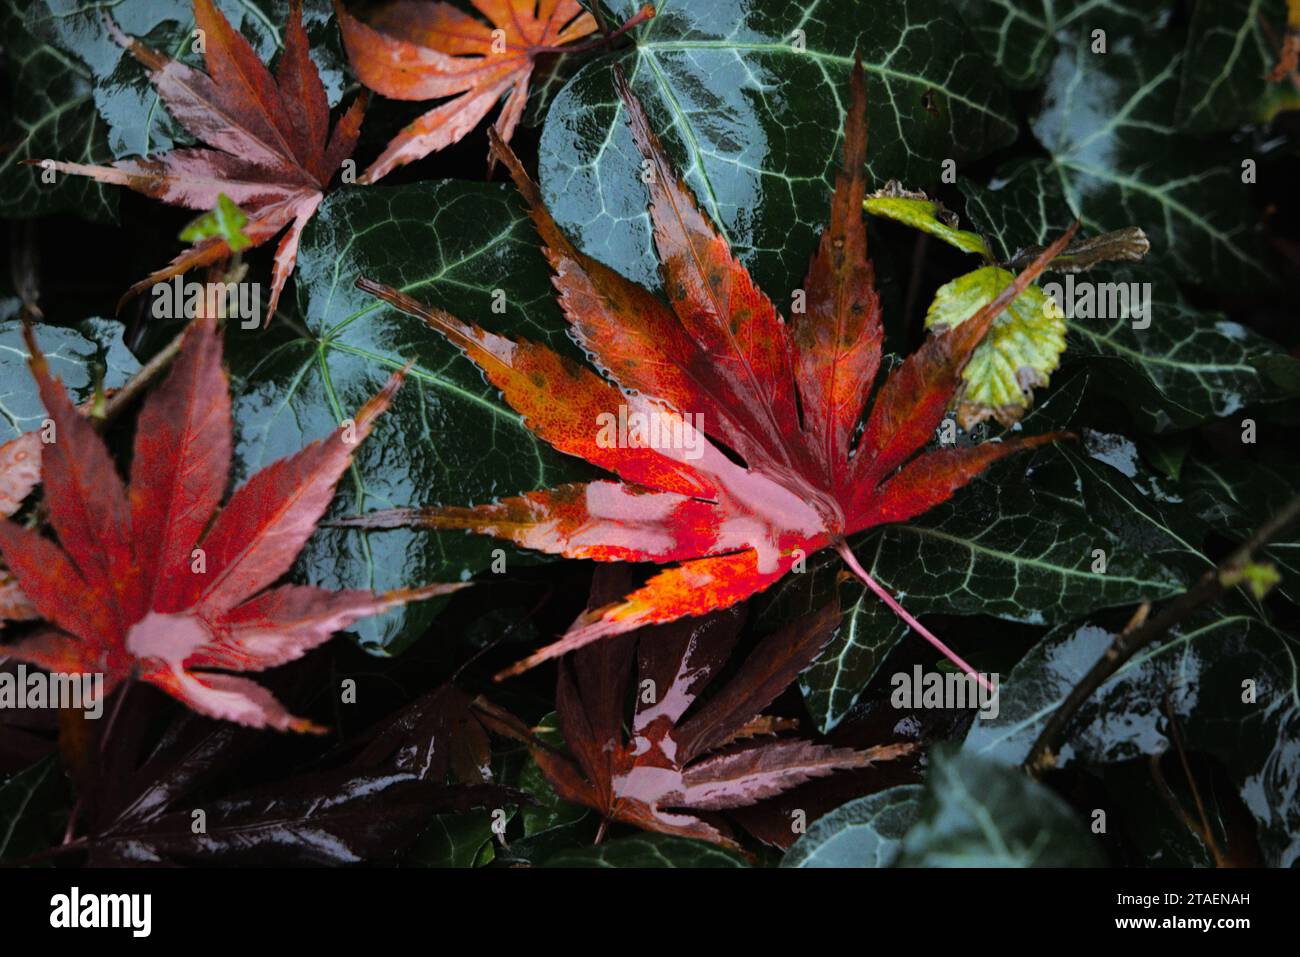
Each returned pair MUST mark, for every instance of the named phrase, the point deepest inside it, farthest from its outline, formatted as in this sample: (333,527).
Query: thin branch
(1210,586)
(124,396)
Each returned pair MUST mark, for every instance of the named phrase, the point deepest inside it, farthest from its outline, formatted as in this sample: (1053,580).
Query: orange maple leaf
(720,363)
(412,50)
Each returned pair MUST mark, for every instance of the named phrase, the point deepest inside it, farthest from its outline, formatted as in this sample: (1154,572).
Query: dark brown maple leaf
(678,761)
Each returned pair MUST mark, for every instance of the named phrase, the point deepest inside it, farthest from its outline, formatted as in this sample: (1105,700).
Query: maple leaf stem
(883,594)
(646,12)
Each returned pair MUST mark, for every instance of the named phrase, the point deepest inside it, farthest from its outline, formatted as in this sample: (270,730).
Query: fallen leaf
(156,580)
(421,51)
(269,145)
(20,472)
(721,756)
(720,369)
(428,758)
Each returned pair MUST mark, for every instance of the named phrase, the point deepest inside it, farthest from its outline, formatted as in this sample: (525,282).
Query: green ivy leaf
(1107,120)
(79,356)
(136,119)
(52,116)
(648,850)
(1020,36)
(751,112)
(1236,496)
(551,812)
(975,812)
(1229,56)
(1186,367)
(456,840)
(863,833)
(448,439)
(1199,674)
(33,808)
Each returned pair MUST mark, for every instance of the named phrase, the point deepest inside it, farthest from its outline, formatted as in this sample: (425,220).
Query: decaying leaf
(269,145)
(1022,349)
(1025,342)
(156,580)
(412,50)
(720,368)
(678,762)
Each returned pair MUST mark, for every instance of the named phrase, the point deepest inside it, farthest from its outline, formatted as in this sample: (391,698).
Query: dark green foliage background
(749,97)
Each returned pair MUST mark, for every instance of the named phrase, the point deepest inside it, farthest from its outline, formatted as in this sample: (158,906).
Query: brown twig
(124,396)
(1042,756)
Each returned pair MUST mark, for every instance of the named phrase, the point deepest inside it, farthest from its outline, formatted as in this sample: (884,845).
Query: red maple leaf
(413,50)
(720,363)
(722,755)
(271,151)
(20,472)
(159,580)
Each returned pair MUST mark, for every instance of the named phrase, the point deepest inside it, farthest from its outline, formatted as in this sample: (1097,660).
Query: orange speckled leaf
(419,50)
(772,411)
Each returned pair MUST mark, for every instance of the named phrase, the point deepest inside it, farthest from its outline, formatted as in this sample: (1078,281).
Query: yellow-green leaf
(1019,354)
(920,212)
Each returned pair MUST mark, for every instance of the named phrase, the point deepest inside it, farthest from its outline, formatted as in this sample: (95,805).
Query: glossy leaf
(1018,545)
(397,776)
(268,142)
(1021,36)
(51,114)
(723,349)
(672,771)
(80,356)
(1194,678)
(448,438)
(862,833)
(750,112)
(1182,366)
(978,813)
(1232,46)
(1189,202)
(31,802)
(1235,497)
(424,51)
(133,115)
